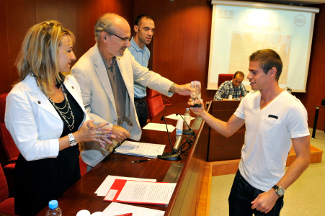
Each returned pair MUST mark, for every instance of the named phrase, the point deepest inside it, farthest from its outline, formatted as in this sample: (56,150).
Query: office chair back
(8,143)
(7,205)
(156,103)
(224,77)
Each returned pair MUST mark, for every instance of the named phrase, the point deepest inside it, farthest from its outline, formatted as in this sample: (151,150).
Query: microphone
(170,142)
(189,131)
(173,156)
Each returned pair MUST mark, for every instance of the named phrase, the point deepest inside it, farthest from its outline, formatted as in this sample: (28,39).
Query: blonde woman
(45,116)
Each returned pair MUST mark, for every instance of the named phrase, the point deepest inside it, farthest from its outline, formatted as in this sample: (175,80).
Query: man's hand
(184,89)
(120,133)
(264,202)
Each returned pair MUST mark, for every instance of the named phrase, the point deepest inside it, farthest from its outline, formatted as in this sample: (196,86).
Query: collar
(135,45)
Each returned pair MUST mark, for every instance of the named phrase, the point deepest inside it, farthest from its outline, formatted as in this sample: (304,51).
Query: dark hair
(268,58)
(239,73)
(138,19)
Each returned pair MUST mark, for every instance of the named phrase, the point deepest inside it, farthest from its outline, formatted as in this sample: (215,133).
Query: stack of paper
(108,182)
(122,209)
(159,127)
(140,149)
(158,193)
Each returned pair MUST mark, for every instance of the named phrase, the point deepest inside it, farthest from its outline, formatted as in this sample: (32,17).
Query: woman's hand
(89,132)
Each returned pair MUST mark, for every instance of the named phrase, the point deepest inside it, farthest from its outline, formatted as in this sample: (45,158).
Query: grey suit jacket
(98,97)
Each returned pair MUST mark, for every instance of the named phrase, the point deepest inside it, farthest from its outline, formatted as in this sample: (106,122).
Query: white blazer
(91,74)
(33,122)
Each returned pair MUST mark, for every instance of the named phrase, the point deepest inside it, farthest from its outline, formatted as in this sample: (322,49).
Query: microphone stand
(189,131)
(173,156)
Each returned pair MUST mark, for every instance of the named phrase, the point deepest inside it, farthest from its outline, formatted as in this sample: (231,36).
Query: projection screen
(241,28)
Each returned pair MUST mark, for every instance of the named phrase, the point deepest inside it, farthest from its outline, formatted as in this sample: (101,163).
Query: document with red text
(157,193)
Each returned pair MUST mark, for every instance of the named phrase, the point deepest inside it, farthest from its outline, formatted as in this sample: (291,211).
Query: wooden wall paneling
(87,14)
(46,10)
(20,17)
(181,41)
(123,8)
(192,70)
(4,57)
(67,14)
(159,53)
(204,29)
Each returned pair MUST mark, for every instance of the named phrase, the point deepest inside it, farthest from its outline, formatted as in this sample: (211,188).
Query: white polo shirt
(268,136)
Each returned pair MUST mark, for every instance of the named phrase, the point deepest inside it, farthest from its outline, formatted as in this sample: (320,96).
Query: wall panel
(180,48)
(181,40)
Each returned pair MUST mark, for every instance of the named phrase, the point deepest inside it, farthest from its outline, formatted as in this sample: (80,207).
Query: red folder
(118,186)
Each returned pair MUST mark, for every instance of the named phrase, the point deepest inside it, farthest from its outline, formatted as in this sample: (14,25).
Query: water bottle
(54,209)
(187,118)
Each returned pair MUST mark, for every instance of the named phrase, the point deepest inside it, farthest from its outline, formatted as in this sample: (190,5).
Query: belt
(141,100)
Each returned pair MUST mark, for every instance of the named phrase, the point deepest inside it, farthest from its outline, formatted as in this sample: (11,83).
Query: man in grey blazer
(106,75)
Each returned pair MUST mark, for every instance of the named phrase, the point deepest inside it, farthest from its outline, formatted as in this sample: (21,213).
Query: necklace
(66,115)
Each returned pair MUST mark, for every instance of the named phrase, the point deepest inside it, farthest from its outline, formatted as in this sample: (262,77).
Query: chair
(8,143)
(7,205)
(224,77)
(155,102)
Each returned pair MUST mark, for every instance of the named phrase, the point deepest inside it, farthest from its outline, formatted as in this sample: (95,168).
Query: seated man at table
(233,87)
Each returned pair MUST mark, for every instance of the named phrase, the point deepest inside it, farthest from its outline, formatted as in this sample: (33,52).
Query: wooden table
(186,194)
(316,119)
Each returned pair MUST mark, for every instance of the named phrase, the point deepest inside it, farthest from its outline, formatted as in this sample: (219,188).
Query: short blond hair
(38,56)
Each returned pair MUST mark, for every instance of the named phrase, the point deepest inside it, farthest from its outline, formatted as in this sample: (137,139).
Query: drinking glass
(196,95)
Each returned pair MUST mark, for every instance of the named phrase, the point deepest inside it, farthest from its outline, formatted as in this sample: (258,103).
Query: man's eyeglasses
(125,39)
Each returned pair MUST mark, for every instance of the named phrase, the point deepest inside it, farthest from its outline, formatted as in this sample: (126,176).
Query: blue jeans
(241,196)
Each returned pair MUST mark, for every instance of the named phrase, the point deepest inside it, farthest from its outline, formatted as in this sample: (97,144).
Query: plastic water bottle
(54,209)
(187,118)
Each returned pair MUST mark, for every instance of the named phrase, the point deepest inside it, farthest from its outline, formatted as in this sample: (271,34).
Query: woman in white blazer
(46,118)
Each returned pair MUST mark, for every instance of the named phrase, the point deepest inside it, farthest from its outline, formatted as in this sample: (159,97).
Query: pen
(118,144)
(138,161)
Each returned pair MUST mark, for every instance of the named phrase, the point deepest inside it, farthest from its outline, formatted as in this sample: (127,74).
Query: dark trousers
(241,196)
(142,112)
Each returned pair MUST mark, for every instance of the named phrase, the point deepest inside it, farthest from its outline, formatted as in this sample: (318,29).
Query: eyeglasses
(125,39)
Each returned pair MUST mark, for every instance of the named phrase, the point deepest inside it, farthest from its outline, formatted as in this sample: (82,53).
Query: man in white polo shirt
(274,119)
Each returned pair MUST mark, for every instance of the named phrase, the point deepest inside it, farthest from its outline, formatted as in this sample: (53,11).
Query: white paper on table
(140,149)
(159,127)
(107,183)
(118,208)
(176,117)
(146,192)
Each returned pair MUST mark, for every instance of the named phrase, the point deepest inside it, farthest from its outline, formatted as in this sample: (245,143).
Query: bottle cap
(53,204)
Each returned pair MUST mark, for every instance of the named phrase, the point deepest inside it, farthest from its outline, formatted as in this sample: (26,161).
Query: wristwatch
(278,190)
(72,140)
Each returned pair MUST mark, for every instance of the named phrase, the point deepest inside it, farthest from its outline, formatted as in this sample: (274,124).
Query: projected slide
(244,44)
(238,31)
